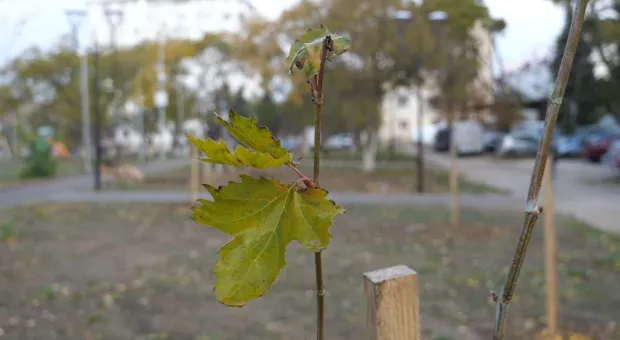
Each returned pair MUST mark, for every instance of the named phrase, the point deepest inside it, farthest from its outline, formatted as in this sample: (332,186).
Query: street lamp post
(405,17)
(142,128)
(161,96)
(222,105)
(75,18)
(180,99)
(180,112)
(114,17)
(97,114)
(142,151)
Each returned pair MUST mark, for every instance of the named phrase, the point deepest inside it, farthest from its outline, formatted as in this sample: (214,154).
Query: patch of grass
(9,171)
(8,233)
(134,271)
(347,155)
(336,179)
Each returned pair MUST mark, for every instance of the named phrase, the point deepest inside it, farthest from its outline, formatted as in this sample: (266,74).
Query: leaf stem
(318,262)
(532,209)
(297,171)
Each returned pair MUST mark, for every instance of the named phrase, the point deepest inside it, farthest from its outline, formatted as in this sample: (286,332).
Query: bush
(39,163)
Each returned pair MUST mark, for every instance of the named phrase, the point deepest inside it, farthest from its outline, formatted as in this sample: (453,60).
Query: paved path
(43,190)
(579,190)
(492,201)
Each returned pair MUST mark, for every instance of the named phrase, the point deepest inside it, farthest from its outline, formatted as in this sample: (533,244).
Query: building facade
(400,106)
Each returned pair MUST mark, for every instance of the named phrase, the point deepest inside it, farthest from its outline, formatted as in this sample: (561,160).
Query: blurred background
(97,93)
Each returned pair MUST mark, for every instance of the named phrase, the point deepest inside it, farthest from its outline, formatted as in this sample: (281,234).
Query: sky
(532,25)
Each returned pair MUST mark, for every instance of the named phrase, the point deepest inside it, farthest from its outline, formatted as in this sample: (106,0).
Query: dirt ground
(143,271)
(400,181)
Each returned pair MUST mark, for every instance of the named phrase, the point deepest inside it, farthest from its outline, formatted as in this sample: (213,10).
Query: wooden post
(392,304)
(194,173)
(550,252)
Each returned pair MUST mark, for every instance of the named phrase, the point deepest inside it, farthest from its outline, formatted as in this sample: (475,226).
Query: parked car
(492,139)
(612,156)
(569,146)
(597,144)
(522,143)
(468,137)
(339,142)
(517,145)
(288,143)
(442,140)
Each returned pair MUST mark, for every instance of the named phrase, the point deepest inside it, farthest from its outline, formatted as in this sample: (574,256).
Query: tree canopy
(384,48)
(50,81)
(387,53)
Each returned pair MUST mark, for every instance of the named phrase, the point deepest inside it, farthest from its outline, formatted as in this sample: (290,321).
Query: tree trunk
(369,152)
(303,144)
(357,142)
(454,184)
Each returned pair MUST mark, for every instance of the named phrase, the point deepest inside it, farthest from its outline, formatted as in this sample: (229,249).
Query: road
(579,187)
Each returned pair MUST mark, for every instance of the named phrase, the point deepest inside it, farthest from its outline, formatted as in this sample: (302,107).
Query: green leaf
(305,53)
(253,136)
(341,44)
(218,153)
(264,216)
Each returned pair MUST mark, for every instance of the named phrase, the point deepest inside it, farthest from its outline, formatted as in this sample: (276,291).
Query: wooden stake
(550,252)
(194,173)
(392,304)
(206,171)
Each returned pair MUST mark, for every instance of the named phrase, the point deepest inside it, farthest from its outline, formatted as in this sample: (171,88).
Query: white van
(468,137)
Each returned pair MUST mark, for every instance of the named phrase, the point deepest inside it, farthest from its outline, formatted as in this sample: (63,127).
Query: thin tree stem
(532,209)
(318,262)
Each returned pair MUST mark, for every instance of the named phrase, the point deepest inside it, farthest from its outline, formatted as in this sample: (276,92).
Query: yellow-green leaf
(218,153)
(264,216)
(305,53)
(253,136)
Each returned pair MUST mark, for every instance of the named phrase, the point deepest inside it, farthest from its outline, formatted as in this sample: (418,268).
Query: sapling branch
(317,94)
(309,53)
(532,209)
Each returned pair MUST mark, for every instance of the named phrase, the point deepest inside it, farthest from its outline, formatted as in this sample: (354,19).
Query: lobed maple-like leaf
(264,216)
(252,135)
(305,53)
(218,153)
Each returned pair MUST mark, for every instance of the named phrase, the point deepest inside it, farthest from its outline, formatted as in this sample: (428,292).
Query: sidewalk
(574,196)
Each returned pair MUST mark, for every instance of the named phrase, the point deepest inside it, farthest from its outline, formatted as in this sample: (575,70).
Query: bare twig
(318,105)
(532,209)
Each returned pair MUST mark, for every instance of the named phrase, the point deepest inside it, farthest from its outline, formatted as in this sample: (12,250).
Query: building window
(402,100)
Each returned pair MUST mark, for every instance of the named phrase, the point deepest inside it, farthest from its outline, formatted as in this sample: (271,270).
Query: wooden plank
(550,252)
(392,304)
